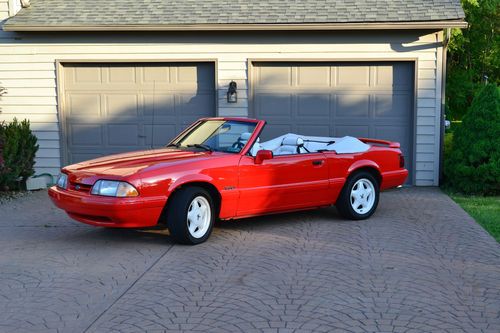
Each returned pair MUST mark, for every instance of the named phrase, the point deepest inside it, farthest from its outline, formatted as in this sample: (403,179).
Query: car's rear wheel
(191,215)
(359,197)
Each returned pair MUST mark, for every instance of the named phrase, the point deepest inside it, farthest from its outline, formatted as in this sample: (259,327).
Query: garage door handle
(317,162)
(141,136)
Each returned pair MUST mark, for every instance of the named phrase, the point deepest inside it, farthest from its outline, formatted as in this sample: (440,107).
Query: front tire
(359,197)
(191,215)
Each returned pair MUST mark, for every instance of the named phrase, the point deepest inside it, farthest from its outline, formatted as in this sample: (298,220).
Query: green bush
(472,165)
(20,147)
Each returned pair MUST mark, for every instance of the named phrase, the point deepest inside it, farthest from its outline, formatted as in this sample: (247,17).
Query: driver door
(285,182)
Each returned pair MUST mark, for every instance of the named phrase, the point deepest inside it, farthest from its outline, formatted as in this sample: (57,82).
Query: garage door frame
(60,89)
(251,85)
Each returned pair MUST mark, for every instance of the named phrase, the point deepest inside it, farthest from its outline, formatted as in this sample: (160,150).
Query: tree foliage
(473,53)
(19,150)
(473,163)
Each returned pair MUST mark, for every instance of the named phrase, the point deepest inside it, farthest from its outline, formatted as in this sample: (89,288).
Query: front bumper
(102,211)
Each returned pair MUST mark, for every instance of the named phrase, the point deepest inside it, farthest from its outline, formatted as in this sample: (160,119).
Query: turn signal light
(401,161)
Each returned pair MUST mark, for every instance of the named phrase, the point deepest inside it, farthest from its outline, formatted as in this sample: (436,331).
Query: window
(218,135)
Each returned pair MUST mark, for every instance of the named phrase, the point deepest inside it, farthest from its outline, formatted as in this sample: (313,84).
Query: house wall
(28,70)
(9,8)
(4,9)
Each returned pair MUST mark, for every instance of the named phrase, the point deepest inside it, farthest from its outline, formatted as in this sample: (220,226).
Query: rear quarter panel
(384,160)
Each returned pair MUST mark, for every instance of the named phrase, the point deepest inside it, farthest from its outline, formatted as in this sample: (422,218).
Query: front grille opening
(93,218)
(80,187)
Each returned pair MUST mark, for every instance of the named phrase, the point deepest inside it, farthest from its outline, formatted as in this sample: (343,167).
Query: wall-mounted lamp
(232,94)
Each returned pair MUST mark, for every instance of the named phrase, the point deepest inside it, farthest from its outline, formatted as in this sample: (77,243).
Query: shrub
(473,164)
(20,147)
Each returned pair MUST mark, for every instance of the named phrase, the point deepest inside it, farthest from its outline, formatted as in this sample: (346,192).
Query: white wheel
(198,217)
(362,196)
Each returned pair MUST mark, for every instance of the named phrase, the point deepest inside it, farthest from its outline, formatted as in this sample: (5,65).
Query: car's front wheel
(359,197)
(191,215)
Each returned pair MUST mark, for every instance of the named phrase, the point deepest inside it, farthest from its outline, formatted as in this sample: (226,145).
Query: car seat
(290,145)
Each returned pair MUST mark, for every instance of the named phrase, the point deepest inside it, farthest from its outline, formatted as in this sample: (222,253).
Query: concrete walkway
(420,264)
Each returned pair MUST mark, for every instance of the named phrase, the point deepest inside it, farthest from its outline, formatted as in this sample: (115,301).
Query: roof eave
(246,27)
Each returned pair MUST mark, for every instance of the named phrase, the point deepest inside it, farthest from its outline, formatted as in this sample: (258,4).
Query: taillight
(401,161)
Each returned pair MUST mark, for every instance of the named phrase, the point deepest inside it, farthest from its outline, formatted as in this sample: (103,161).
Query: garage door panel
(403,77)
(85,74)
(393,105)
(161,104)
(84,156)
(274,129)
(352,130)
(121,75)
(133,97)
(86,134)
(314,130)
(275,105)
(272,76)
(394,76)
(315,76)
(118,105)
(354,105)
(194,104)
(122,134)
(353,75)
(313,106)
(158,74)
(385,76)
(198,77)
(83,104)
(393,133)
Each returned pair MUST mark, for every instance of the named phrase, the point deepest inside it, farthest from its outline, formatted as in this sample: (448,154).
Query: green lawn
(485,210)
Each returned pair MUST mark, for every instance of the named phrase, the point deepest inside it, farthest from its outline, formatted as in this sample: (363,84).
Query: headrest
(245,136)
(292,141)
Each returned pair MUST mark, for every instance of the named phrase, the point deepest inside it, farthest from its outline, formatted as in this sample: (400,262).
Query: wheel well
(212,190)
(374,172)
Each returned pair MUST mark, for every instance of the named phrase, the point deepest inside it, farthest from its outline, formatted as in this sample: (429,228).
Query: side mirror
(263,155)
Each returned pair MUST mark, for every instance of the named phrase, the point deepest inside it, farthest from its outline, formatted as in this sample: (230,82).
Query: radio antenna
(153,116)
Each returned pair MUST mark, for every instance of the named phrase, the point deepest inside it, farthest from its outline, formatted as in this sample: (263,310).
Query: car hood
(122,165)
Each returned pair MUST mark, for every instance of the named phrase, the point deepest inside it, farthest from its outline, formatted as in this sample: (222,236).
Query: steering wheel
(238,145)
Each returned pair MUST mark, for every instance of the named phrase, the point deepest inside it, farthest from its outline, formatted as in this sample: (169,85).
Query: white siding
(4,9)
(9,8)
(28,71)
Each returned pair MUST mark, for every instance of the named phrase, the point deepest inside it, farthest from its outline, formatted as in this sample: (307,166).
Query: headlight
(112,188)
(62,181)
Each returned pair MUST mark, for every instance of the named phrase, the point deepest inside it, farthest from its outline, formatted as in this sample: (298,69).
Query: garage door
(336,99)
(112,108)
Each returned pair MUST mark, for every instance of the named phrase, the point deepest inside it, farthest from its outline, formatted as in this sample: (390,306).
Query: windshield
(228,136)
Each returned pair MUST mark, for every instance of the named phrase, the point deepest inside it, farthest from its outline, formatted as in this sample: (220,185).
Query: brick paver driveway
(420,264)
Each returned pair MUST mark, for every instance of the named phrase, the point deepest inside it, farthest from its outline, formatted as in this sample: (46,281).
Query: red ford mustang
(219,168)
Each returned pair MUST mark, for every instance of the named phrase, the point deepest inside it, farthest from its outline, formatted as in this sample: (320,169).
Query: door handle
(317,162)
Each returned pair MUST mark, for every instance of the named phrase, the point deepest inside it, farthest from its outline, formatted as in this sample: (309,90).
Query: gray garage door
(111,108)
(336,99)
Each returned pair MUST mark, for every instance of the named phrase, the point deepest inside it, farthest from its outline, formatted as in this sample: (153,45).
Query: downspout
(446,40)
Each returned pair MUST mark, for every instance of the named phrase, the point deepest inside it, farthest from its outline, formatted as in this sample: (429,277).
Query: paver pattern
(420,264)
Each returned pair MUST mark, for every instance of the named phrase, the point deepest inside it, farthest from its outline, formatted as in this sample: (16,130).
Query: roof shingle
(195,12)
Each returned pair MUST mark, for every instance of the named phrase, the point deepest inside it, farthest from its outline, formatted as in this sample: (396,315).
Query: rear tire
(190,215)
(359,197)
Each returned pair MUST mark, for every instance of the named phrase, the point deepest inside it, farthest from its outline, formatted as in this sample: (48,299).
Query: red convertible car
(219,168)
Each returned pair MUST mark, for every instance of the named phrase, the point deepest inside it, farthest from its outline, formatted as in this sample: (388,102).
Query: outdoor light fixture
(232,95)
